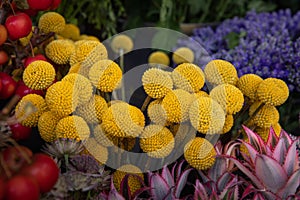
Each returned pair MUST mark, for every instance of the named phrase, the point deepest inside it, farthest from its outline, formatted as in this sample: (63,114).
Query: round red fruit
(22,90)
(2,188)
(3,34)
(55,4)
(39,4)
(3,57)
(36,57)
(20,132)
(22,187)
(18,25)
(9,86)
(44,170)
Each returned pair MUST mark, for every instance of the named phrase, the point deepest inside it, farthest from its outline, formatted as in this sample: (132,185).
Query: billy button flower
(123,120)
(72,127)
(59,51)
(157,141)
(82,50)
(39,75)
(176,104)
(157,113)
(82,85)
(158,58)
(219,72)
(51,22)
(266,116)
(200,94)
(121,42)
(105,75)
(134,178)
(263,132)
(99,152)
(93,110)
(200,153)
(188,77)
(46,126)
(229,97)
(229,121)
(75,68)
(183,55)
(248,85)
(156,82)
(273,91)
(207,116)
(70,31)
(29,109)
(61,98)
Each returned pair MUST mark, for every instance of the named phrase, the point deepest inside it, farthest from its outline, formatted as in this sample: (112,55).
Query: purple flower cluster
(267,44)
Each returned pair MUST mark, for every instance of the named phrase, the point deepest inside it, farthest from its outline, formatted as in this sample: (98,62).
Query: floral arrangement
(187,142)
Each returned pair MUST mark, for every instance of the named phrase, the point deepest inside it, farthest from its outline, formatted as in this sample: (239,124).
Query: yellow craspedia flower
(73,127)
(75,68)
(93,110)
(176,104)
(159,58)
(207,116)
(88,37)
(183,133)
(229,97)
(39,75)
(201,94)
(248,85)
(82,50)
(266,116)
(157,113)
(200,153)
(264,131)
(51,22)
(99,152)
(229,120)
(134,183)
(273,91)
(189,77)
(61,98)
(156,82)
(105,75)
(123,120)
(219,72)
(82,85)
(157,141)
(29,109)
(71,31)
(59,51)
(46,126)
(183,55)
(101,137)
(123,42)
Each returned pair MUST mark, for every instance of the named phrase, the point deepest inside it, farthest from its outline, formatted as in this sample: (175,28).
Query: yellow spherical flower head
(201,94)
(29,109)
(229,120)
(176,104)
(88,37)
(75,68)
(99,152)
(123,120)
(263,132)
(219,72)
(229,97)
(105,75)
(183,55)
(39,75)
(122,42)
(71,31)
(200,153)
(82,50)
(82,85)
(188,77)
(156,82)
(207,116)
(61,98)
(101,137)
(273,91)
(46,126)
(93,110)
(73,127)
(248,84)
(134,182)
(157,141)
(159,58)
(266,116)
(183,133)
(157,113)
(59,51)
(51,22)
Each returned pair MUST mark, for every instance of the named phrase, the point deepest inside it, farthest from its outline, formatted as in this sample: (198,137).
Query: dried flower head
(157,113)
(159,58)
(156,82)
(59,51)
(183,55)
(266,116)
(51,22)
(46,126)
(188,77)
(248,85)
(39,75)
(71,31)
(82,50)
(122,42)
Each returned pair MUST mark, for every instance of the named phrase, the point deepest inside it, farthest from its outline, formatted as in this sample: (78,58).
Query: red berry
(30,59)
(55,4)
(18,25)
(9,86)
(3,57)
(39,4)
(20,132)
